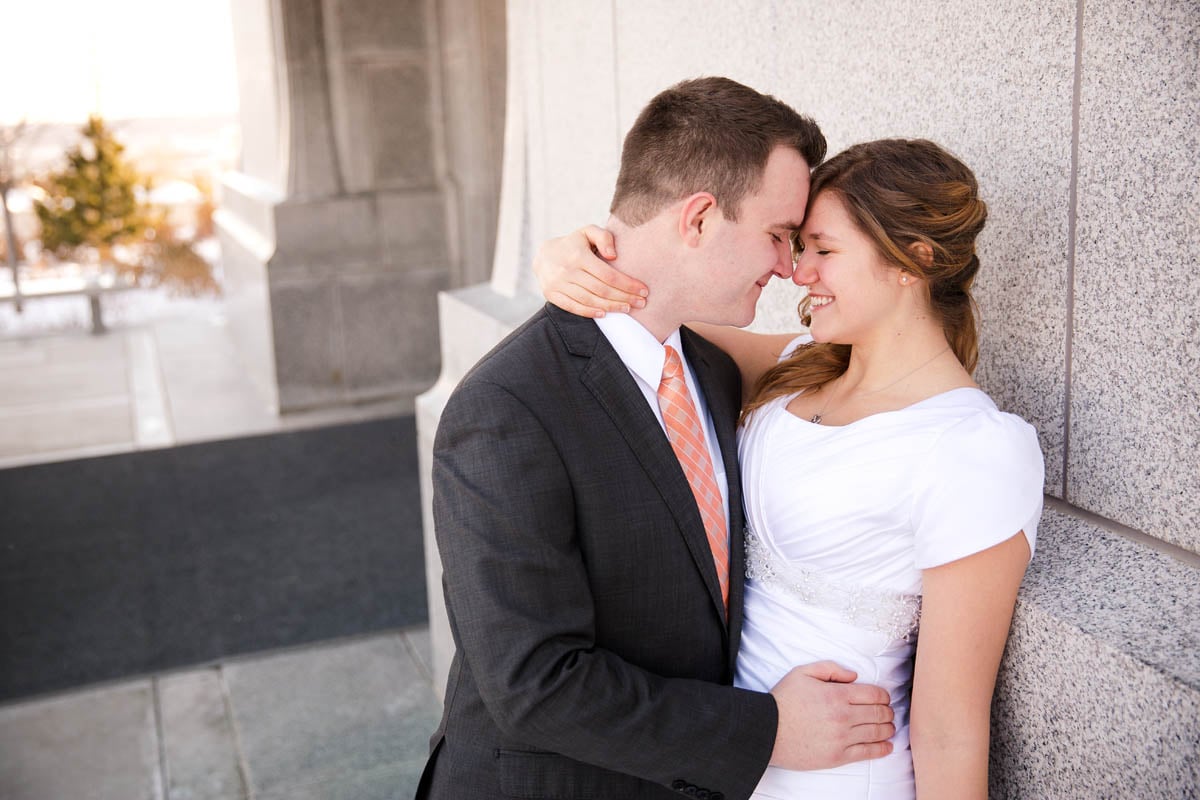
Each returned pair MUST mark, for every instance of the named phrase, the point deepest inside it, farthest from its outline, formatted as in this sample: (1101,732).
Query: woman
(883,487)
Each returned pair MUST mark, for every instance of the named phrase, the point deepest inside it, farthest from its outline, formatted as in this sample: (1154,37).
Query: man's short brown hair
(706,135)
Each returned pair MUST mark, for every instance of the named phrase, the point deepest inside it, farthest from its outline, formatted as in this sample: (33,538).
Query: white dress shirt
(644,357)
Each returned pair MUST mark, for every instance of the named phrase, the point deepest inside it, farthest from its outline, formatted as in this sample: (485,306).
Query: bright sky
(63,59)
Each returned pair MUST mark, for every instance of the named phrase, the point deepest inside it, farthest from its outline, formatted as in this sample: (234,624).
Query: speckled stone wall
(1081,122)
(1135,366)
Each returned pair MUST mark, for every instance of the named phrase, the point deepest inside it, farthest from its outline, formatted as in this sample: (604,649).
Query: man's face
(742,256)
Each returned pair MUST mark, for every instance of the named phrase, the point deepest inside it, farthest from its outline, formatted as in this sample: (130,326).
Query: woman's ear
(921,253)
(695,214)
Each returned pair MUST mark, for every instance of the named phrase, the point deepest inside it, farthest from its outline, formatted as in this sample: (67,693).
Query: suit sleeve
(518,592)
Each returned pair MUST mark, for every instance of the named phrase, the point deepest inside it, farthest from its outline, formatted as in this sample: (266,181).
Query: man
(588,509)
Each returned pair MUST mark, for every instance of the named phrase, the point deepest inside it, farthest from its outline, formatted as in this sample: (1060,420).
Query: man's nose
(784,267)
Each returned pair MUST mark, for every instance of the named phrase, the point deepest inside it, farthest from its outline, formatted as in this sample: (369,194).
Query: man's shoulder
(534,350)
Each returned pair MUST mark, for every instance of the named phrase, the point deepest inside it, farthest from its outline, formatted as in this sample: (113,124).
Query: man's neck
(641,255)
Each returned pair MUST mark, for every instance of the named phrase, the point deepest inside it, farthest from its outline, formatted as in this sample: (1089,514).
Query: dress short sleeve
(791,347)
(980,483)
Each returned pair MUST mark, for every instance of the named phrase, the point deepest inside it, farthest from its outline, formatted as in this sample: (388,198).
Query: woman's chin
(819,336)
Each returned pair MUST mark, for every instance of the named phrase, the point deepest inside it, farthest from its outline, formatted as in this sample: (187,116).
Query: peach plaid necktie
(687,439)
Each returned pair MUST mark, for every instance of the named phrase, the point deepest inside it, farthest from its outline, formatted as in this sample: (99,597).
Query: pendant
(816,419)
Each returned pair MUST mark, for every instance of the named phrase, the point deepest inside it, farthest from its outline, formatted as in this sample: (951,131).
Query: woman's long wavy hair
(898,192)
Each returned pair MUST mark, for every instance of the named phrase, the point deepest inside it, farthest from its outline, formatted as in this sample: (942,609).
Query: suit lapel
(608,379)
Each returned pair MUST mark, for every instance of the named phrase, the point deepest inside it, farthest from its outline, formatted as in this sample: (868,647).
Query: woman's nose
(804,273)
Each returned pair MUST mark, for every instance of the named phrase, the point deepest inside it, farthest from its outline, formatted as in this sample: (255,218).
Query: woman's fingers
(599,240)
(610,287)
(611,283)
(572,306)
(574,277)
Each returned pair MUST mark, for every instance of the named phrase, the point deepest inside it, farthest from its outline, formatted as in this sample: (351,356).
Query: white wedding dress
(841,521)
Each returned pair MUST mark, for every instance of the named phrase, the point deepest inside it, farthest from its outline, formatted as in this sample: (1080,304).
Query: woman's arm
(574,275)
(966,612)
(754,353)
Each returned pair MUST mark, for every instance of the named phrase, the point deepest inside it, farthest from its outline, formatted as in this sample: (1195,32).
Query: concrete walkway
(347,719)
(344,719)
(174,377)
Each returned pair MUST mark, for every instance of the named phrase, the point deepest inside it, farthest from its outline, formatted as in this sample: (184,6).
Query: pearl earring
(904,279)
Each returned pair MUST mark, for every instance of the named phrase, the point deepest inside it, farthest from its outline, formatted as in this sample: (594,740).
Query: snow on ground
(123,309)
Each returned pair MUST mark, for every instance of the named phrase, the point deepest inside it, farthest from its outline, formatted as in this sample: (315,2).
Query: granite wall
(1082,122)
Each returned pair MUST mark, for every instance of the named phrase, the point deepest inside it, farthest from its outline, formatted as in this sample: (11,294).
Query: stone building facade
(368,190)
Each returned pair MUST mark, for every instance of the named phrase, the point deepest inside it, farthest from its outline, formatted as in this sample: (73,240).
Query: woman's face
(854,293)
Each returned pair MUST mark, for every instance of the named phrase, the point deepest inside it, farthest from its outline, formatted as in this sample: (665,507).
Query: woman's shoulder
(972,424)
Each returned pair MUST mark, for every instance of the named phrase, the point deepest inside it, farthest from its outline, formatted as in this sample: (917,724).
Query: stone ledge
(1099,691)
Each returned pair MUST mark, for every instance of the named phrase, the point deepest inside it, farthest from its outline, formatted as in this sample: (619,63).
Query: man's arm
(518,590)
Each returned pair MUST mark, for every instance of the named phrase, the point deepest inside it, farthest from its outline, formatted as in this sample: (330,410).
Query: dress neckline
(790,397)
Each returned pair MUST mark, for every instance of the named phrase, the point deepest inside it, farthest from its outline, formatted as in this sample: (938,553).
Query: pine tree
(92,202)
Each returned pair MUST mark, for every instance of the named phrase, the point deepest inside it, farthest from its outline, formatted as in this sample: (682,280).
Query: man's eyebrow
(787,226)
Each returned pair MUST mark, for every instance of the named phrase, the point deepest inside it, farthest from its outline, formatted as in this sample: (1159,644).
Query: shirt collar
(637,347)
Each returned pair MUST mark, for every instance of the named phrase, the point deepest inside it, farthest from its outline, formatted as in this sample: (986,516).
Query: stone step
(1099,690)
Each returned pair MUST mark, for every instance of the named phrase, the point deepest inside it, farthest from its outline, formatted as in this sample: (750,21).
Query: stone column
(336,230)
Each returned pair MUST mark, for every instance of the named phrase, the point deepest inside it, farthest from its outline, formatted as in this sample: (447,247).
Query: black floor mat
(140,562)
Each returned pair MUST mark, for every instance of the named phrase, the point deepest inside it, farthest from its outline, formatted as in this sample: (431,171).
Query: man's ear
(695,215)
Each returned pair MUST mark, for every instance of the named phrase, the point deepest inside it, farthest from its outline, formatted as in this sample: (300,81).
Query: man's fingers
(865,734)
(865,694)
(828,671)
(861,752)
(869,715)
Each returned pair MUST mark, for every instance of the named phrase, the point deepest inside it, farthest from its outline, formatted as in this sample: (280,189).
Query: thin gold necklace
(816,418)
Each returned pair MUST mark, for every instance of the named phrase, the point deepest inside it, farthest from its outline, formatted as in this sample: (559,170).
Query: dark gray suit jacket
(593,655)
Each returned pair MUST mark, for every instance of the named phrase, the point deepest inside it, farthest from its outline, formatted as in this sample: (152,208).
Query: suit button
(678,784)
(703,794)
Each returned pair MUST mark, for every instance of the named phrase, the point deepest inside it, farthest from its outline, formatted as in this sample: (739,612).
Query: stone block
(98,744)
(580,141)
(400,122)
(198,738)
(324,236)
(472,47)
(1135,394)
(412,228)
(390,332)
(367,27)
(259,101)
(1099,691)
(307,331)
(338,721)
(244,256)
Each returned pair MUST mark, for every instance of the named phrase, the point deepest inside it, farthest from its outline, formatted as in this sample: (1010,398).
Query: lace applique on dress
(895,615)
